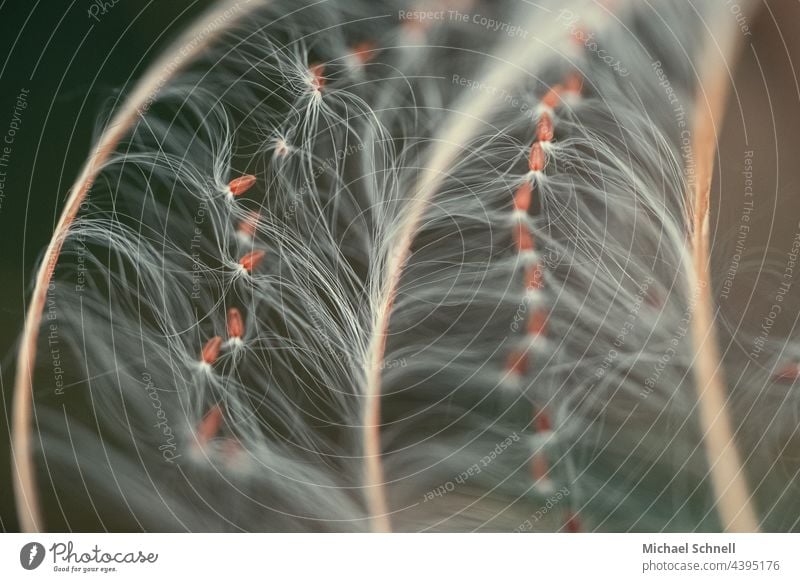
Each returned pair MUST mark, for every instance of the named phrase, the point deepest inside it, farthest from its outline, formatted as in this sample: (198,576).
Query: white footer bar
(400,557)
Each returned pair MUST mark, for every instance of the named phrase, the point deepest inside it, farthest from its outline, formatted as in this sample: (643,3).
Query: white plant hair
(327,275)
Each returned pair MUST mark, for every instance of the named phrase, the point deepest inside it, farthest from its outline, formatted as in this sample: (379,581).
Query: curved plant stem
(187,47)
(513,62)
(733,498)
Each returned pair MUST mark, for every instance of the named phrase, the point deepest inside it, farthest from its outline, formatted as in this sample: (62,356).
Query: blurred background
(62,65)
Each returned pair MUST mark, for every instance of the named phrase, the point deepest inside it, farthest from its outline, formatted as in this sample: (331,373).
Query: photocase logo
(31,555)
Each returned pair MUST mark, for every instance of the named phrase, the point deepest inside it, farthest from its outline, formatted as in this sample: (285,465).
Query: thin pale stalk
(175,58)
(514,61)
(728,478)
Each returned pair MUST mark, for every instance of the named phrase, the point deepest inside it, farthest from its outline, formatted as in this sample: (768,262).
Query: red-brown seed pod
(242,184)
(364,51)
(210,424)
(537,322)
(523,237)
(541,422)
(539,467)
(574,83)
(235,323)
(552,98)
(572,524)
(544,127)
(517,362)
(534,279)
(579,36)
(317,72)
(251,260)
(789,373)
(523,195)
(538,159)
(210,350)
